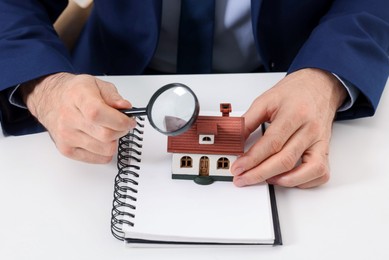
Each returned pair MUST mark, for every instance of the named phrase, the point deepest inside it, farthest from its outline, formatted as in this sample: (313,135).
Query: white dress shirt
(233,47)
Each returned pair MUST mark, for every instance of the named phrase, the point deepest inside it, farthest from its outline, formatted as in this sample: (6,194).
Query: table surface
(57,208)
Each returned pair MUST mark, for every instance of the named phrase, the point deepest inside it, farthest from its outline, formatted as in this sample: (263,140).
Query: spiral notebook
(152,209)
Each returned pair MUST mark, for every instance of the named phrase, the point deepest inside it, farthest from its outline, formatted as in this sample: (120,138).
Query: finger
(95,146)
(315,183)
(83,155)
(254,116)
(111,96)
(101,133)
(304,176)
(281,162)
(96,112)
(98,104)
(313,171)
(76,139)
(269,144)
(71,121)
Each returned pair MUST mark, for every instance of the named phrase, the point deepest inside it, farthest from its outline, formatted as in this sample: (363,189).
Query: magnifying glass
(171,110)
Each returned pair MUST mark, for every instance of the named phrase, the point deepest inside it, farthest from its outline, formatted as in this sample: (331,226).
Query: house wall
(213,171)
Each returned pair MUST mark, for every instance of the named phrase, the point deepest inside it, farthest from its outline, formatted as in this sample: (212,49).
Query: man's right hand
(80,113)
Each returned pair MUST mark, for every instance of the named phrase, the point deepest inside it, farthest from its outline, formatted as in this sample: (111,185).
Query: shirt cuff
(352,91)
(15,98)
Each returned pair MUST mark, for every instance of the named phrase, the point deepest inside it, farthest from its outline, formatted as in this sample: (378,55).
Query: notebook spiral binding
(125,188)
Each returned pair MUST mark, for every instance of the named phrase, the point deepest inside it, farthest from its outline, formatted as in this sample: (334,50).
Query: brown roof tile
(228,131)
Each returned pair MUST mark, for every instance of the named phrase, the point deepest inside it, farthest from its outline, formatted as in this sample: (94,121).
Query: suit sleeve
(352,41)
(29,48)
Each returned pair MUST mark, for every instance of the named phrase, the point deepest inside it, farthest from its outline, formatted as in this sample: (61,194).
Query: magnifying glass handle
(134,111)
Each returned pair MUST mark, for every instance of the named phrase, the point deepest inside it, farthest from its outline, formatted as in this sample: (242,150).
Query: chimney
(225,109)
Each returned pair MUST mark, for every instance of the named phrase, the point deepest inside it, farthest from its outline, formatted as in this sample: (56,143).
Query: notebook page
(181,210)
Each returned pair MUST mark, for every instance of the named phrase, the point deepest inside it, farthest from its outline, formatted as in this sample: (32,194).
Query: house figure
(206,151)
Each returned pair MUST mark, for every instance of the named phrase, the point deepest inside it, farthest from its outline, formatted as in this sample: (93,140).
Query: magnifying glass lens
(174,109)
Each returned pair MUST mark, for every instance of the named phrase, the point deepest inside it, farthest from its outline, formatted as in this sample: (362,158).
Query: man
(335,53)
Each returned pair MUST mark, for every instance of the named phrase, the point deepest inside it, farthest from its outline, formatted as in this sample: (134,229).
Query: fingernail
(116,97)
(133,123)
(270,181)
(238,171)
(239,182)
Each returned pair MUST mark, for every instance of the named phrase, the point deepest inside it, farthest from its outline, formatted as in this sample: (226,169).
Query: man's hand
(80,113)
(294,149)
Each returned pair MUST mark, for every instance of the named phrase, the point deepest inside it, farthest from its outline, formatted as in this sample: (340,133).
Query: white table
(56,208)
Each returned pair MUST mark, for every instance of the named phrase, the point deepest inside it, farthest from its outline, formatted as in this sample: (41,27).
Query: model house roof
(226,133)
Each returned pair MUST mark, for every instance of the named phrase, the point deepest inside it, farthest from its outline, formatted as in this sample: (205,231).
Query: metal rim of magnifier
(188,124)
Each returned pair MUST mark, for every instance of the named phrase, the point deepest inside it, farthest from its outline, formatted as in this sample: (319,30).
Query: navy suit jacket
(348,38)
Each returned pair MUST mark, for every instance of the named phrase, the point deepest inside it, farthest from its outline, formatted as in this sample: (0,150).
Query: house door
(204,166)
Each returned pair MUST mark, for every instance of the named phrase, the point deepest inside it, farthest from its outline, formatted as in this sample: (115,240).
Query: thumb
(254,116)
(111,96)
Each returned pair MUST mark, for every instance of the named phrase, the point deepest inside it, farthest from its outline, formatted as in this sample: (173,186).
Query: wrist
(34,91)
(334,89)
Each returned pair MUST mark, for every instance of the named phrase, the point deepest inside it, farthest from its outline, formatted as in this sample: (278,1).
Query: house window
(206,139)
(186,162)
(223,163)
